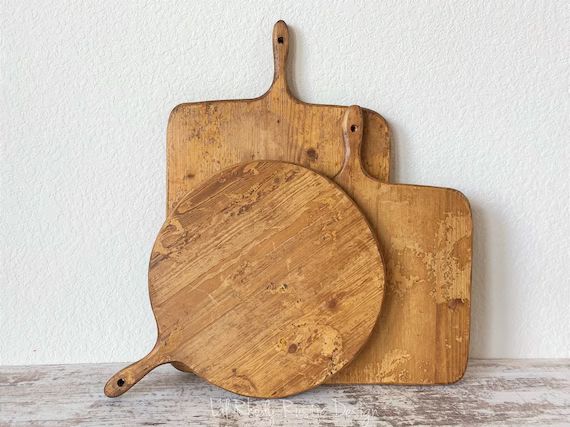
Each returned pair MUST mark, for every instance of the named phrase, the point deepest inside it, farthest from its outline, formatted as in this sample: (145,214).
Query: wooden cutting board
(426,316)
(206,137)
(422,336)
(265,280)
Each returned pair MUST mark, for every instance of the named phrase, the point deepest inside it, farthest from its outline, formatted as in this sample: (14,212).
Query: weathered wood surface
(422,335)
(493,392)
(205,137)
(265,280)
(425,232)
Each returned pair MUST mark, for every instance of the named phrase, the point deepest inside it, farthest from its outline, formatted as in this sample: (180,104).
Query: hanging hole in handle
(353,128)
(280,40)
(120,382)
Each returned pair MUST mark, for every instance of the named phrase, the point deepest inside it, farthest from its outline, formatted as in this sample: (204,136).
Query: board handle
(352,131)
(280,53)
(127,377)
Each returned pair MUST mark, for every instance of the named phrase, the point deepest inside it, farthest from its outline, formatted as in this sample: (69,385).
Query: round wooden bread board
(265,280)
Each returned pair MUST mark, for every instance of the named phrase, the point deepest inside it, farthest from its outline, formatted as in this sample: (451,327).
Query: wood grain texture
(265,280)
(422,336)
(205,137)
(425,233)
(493,392)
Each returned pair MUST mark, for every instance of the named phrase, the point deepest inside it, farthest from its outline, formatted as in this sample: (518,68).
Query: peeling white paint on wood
(493,392)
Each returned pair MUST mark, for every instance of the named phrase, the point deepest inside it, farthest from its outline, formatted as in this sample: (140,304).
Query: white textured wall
(476,96)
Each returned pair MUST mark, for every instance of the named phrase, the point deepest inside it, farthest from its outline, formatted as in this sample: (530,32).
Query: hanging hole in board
(280,40)
(120,382)
(353,128)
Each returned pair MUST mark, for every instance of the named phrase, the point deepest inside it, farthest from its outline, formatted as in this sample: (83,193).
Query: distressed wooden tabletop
(493,392)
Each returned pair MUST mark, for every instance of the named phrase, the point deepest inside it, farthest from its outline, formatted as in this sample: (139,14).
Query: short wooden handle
(352,130)
(280,53)
(123,380)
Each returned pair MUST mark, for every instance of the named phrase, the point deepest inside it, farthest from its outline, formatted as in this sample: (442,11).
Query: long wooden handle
(280,53)
(352,131)
(123,380)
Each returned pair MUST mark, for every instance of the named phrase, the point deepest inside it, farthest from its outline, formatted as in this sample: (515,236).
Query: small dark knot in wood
(312,154)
